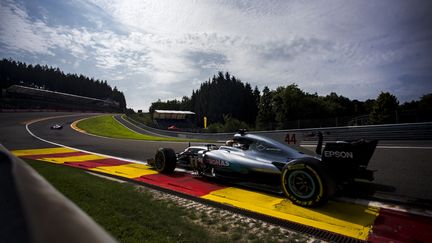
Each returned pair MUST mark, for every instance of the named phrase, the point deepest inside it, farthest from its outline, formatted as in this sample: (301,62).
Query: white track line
(82,150)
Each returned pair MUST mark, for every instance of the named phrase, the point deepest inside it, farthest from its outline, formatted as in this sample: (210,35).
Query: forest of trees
(229,103)
(218,99)
(49,78)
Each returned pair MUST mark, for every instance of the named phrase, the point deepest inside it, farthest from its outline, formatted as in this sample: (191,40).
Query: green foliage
(222,95)
(425,102)
(416,110)
(50,78)
(233,125)
(288,103)
(285,106)
(230,124)
(215,127)
(176,105)
(291,103)
(257,96)
(129,111)
(336,105)
(412,105)
(384,109)
(266,115)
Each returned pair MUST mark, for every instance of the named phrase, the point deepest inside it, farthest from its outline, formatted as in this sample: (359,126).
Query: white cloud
(168,47)
(17,32)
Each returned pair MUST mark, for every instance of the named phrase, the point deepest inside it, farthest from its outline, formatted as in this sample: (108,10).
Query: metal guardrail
(210,136)
(408,131)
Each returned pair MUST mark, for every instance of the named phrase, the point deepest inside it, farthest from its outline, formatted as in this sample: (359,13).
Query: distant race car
(173,128)
(56,127)
(261,162)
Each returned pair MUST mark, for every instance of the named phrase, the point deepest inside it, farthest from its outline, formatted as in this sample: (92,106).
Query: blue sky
(164,49)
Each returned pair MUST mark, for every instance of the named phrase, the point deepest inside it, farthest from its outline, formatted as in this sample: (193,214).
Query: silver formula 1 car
(262,162)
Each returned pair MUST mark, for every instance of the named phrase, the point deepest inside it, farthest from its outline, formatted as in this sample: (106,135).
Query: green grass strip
(107,126)
(128,214)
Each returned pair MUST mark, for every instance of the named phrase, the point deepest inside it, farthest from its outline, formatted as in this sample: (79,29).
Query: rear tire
(306,183)
(165,160)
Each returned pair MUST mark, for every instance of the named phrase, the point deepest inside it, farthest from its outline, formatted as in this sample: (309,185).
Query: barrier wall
(34,211)
(409,131)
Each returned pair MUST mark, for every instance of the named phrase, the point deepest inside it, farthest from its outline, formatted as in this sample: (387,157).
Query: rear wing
(349,160)
(357,152)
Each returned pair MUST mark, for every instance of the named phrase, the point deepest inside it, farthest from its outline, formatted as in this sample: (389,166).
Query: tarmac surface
(404,168)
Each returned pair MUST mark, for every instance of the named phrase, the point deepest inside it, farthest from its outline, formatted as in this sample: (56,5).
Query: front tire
(165,160)
(306,183)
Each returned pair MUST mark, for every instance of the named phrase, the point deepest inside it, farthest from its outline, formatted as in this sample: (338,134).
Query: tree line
(50,78)
(217,99)
(228,103)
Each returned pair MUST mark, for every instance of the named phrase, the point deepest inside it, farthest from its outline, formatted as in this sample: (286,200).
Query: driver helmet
(229,143)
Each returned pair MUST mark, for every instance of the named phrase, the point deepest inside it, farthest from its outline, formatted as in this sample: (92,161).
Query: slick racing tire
(306,183)
(165,160)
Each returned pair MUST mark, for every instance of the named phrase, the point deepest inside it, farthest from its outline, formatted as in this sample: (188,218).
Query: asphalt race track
(15,136)
(403,169)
